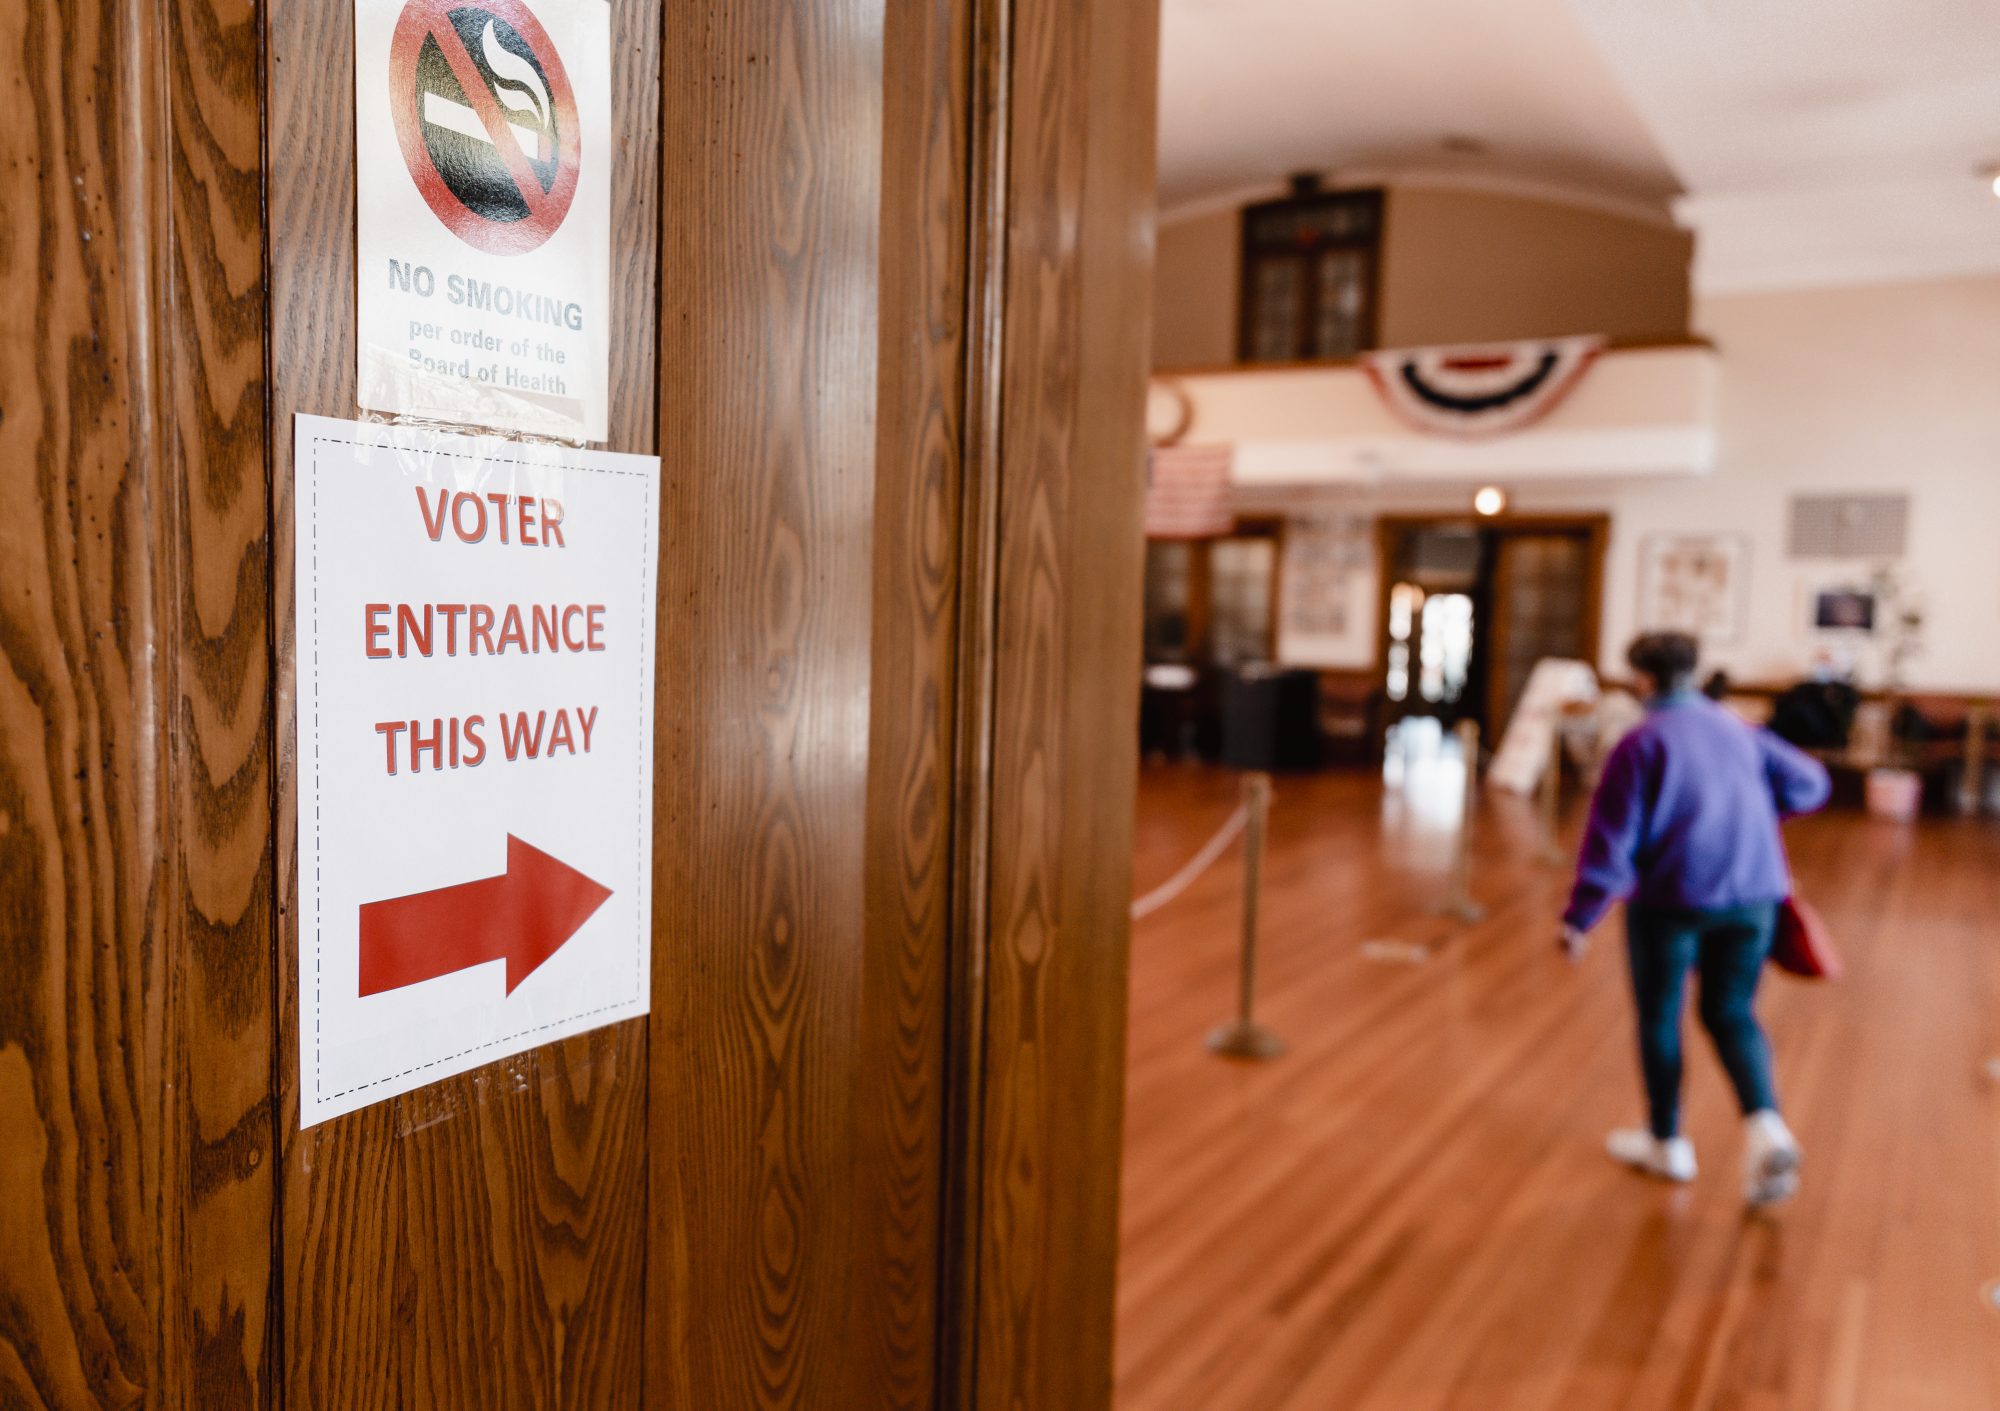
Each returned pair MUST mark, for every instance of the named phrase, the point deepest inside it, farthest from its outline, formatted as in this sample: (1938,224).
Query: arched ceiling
(1806,141)
(1252,90)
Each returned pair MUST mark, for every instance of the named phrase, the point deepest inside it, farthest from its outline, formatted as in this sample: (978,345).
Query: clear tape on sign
(449,393)
(420,425)
(1214,848)
(467,461)
(553,1074)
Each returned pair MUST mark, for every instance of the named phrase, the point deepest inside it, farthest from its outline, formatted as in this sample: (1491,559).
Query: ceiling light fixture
(1489,500)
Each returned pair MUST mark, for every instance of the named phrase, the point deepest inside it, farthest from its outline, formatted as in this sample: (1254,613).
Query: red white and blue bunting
(1483,390)
(1188,493)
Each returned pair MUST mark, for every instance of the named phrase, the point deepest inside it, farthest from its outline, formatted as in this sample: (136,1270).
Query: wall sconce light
(1490,500)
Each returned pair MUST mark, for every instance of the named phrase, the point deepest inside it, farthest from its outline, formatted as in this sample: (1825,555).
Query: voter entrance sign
(475,682)
(483,181)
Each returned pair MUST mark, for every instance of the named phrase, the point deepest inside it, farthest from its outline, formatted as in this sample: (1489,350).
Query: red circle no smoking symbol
(487,120)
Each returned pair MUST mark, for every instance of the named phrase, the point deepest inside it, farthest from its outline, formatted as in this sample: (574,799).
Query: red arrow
(522,917)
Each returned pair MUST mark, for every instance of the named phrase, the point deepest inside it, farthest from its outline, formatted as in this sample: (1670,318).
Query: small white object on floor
(1771,1158)
(1393,952)
(1670,1160)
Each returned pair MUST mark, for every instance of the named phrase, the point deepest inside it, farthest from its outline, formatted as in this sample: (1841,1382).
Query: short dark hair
(1668,657)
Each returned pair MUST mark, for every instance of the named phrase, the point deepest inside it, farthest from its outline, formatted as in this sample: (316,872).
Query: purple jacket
(1686,815)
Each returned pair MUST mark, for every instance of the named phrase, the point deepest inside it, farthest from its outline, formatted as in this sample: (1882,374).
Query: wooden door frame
(605,1205)
(1596,525)
(1046,746)
(1271,527)
(1595,530)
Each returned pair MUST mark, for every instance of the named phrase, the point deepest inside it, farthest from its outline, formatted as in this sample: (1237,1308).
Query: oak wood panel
(1411,1210)
(85,842)
(1078,269)
(961,1205)
(769,358)
(907,870)
(218,1205)
(479,1242)
(134,384)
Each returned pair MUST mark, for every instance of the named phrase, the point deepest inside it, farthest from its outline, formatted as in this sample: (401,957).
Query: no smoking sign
(483,151)
(486,119)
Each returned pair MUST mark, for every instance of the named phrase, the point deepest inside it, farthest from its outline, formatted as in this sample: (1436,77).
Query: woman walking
(1684,829)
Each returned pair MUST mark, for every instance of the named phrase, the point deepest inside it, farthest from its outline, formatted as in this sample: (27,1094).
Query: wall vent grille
(1849,526)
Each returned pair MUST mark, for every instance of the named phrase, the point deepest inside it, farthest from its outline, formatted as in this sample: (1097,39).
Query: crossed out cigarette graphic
(519,88)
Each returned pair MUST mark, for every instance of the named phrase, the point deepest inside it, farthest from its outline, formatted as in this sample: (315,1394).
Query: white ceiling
(1821,141)
(1816,141)
(1253,90)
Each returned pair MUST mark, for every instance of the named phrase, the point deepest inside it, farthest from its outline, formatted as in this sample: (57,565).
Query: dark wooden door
(878,267)
(1543,603)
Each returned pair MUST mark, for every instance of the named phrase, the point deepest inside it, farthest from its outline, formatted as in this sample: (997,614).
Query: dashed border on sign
(645,776)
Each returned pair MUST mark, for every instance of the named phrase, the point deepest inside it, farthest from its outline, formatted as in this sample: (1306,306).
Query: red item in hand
(1802,946)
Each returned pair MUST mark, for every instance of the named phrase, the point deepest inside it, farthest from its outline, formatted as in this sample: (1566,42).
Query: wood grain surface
(479,1242)
(219,1202)
(1412,1211)
(741,1201)
(135,731)
(920,430)
(1066,667)
(769,359)
(85,847)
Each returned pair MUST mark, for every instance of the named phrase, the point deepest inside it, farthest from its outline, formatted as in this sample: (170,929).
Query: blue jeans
(1729,947)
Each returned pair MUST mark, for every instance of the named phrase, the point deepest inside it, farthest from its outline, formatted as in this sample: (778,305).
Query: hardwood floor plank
(1411,1211)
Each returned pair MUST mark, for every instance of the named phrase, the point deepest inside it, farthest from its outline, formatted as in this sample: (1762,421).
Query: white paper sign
(483,186)
(475,761)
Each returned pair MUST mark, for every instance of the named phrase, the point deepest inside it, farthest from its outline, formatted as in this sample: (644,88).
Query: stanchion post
(1244,1037)
(1972,785)
(1551,800)
(1458,903)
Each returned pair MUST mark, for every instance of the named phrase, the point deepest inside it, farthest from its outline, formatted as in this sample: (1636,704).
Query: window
(1445,653)
(1242,572)
(1309,264)
(1406,600)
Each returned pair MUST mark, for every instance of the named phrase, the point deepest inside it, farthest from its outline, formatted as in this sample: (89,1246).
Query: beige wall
(1474,266)
(1883,388)
(1457,267)
(1195,271)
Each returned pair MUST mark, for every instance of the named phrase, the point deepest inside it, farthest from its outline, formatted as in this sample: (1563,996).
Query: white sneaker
(1771,1158)
(1670,1160)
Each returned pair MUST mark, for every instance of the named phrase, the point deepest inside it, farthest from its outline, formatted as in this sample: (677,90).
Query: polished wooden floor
(1411,1211)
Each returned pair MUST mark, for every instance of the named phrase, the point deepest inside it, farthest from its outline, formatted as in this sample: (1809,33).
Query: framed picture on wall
(1324,594)
(1843,609)
(1695,583)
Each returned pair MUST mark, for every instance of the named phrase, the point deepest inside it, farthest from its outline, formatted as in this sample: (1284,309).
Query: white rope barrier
(1214,848)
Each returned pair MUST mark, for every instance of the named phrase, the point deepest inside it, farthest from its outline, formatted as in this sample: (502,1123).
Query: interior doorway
(1470,605)
(1214,602)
